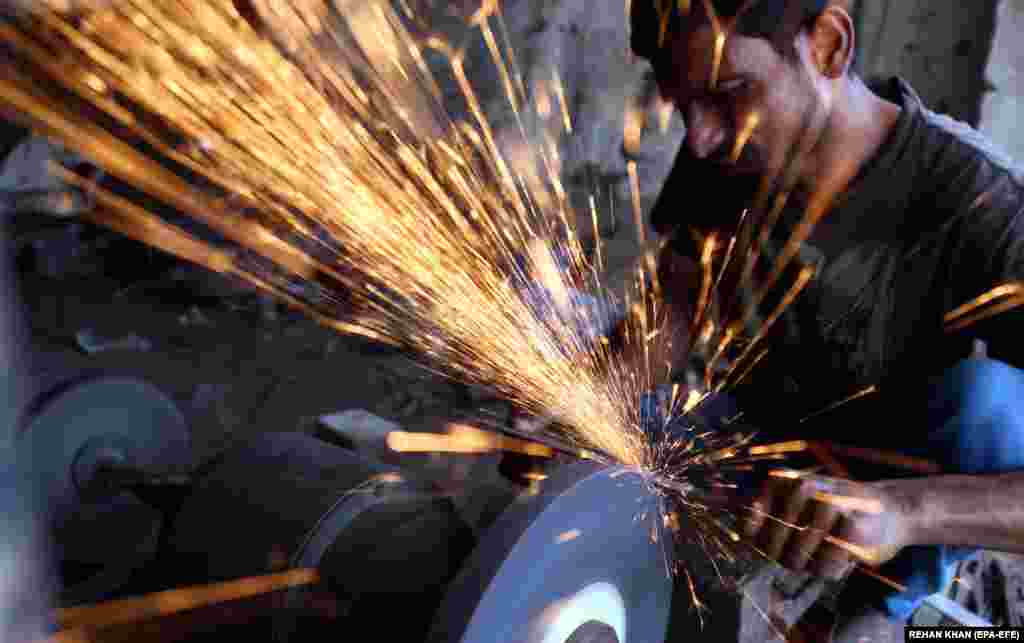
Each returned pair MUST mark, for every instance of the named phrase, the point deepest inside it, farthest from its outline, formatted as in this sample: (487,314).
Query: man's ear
(833,41)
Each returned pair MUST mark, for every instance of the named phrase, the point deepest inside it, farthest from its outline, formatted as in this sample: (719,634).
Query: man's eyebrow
(673,76)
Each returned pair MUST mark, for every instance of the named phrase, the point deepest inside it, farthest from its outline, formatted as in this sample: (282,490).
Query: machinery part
(92,342)
(59,203)
(26,583)
(587,558)
(361,431)
(381,544)
(937,610)
(27,185)
(520,468)
(102,534)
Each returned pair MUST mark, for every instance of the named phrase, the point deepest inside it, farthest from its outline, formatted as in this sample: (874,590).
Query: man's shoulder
(957,170)
(952,145)
(973,143)
(939,140)
(963,161)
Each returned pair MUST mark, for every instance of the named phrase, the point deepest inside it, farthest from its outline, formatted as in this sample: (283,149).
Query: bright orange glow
(131,610)
(462,439)
(568,536)
(781,447)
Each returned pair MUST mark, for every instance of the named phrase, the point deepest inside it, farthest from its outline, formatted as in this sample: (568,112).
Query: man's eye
(731,86)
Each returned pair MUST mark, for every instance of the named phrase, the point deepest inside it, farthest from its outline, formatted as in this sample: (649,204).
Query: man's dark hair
(777,21)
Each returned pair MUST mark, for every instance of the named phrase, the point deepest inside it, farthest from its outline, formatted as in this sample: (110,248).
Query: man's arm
(824,525)
(984,511)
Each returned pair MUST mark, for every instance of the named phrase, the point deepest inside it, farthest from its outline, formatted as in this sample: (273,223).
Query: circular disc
(113,412)
(588,553)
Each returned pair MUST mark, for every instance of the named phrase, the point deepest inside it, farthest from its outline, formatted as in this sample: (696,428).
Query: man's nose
(705,130)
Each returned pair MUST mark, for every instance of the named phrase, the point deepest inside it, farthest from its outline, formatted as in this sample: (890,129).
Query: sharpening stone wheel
(586,559)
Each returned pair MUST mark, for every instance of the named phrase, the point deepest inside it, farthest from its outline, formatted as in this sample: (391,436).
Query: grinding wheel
(101,541)
(584,560)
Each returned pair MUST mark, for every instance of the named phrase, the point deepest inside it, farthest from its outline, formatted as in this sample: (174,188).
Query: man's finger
(790,498)
(758,513)
(823,519)
(831,563)
(764,510)
(831,560)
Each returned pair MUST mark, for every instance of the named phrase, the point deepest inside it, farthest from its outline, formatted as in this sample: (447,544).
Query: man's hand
(826,526)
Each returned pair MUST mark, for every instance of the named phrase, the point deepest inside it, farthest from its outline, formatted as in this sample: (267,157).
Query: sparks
(347,178)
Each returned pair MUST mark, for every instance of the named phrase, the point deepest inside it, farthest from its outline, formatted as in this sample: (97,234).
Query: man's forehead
(693,54)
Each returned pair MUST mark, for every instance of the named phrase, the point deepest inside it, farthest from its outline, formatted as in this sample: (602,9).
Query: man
(917,214)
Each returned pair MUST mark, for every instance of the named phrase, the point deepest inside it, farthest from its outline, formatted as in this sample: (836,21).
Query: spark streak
(463,439)
(749,125)
(782,447)
(983,307)
(704,299)
(802,280)
(870,390)
(131,610)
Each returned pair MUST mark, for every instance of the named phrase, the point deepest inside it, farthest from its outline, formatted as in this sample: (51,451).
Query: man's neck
(858,126)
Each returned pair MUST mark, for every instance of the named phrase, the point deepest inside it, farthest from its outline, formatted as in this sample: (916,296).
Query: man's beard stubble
(700,194)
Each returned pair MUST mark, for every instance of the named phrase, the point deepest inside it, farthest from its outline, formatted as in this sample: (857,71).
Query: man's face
(746,125)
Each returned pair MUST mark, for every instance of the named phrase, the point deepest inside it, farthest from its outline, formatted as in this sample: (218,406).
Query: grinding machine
(581,558)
